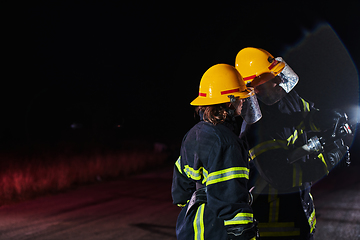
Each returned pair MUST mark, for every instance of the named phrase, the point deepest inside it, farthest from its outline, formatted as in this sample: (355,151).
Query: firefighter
(210,176)
(284,167)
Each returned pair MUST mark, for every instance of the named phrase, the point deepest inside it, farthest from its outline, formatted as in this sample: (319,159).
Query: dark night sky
(139,64)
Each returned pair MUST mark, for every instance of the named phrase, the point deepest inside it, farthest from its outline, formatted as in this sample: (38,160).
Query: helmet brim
(268,75)
(205,101)
(278,68)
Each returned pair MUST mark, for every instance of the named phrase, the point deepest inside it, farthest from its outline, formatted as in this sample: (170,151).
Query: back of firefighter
(283,204)
(211,175)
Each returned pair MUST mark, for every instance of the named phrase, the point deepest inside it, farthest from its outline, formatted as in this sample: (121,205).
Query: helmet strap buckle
(232,98)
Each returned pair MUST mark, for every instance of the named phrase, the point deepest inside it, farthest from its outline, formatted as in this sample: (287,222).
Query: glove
(243,232)
(328,119)
(335,155)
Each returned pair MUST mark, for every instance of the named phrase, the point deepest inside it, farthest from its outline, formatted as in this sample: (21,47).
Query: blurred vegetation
(44,169)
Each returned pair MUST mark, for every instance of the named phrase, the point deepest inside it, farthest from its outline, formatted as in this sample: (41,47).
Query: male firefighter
(210,176)
(286,162)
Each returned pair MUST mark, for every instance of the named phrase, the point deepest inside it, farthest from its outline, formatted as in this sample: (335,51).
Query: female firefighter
(283,205)
(210,176)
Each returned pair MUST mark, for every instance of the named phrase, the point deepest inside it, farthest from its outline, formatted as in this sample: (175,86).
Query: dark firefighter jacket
(215,157)
(283,204)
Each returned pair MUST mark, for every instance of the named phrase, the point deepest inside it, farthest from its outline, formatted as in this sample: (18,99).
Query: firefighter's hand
(243,232)
(326,120)
(335,155)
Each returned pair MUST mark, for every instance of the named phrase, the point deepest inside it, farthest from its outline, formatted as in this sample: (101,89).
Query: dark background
(103,71)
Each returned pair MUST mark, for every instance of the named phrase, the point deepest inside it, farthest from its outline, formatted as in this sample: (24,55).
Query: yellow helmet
(252,62)
(218,83)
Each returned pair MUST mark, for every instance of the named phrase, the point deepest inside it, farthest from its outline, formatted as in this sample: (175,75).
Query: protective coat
(215,157)
(283,203)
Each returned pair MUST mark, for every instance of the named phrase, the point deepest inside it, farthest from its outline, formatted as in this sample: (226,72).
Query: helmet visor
(250,111)
(288,77)
(270,92)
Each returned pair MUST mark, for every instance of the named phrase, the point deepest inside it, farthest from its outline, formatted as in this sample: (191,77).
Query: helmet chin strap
(231,112)
(232,98)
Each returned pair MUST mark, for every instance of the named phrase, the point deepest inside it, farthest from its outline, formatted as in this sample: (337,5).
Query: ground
(140,207)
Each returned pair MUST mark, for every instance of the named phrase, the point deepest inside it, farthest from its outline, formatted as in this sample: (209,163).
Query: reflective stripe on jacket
(284,208)
(215,157)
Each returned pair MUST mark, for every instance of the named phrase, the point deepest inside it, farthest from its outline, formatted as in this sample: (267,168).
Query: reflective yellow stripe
(292,138)
(183,205)
(274,228)
(240,218)
(205,175)
(273,205)
(311,196)
(178,164)
(227,174)
(278,229)
(321,156)
(306,105)
(199,223)
(266,146)
(301,126)
(194,174)
(313,225)
(312,218)
(298,131)
(313,127)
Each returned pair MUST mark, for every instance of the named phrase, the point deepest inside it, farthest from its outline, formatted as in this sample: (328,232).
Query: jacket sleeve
(271,161)
(275,137)
(226,183)
(182,187)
